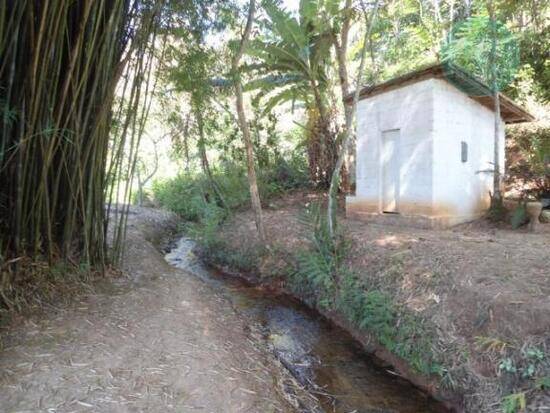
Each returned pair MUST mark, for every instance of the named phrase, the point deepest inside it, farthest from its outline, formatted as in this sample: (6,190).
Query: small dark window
(463,151)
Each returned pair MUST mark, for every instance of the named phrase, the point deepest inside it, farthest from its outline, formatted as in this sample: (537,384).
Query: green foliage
(519,216)
(244,261)
(205,230)
(514,403)
(293,55)
(317,267)
(533,357)
(379,316)
(404,38)
(528,364)
(497,211)
(321,277)
(470,46)
(182,195)
(351,297)
(529,159)
(543,383)
(507,365)
(189,194)
(286,173)
(534,38)
(401,332)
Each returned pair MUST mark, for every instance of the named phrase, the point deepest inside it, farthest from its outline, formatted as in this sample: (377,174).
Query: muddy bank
(322,357)
(483,290)
(449,401)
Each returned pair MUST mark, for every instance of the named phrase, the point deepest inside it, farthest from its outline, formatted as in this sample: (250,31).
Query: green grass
(321,277)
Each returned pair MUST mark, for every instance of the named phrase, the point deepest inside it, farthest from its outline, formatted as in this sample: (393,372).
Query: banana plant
(293,55)
(292,58)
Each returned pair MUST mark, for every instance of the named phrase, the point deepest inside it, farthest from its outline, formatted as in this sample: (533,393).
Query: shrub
(529,160)
(187,194)
(519,216)
(291,173)
(183,195)
(205,230)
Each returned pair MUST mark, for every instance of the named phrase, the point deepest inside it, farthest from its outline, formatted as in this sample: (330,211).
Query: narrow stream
(324,358)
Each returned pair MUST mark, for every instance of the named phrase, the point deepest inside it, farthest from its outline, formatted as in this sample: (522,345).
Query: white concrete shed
(425,147)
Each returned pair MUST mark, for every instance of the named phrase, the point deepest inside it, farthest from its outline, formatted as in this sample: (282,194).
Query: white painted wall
(463,187)
(409,109)
(433,118)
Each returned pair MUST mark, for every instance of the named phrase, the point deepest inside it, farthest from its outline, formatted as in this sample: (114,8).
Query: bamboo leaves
(60,62)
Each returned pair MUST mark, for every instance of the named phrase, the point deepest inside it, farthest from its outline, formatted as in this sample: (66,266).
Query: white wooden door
(390,171)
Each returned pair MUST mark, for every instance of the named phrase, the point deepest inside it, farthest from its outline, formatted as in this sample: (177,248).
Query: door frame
(381,172)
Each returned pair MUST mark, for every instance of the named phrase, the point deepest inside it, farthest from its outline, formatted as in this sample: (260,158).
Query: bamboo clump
(72,110)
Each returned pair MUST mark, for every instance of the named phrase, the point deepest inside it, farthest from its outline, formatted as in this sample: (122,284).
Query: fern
(379,317)
(514,403)
(321,276)
(319,266)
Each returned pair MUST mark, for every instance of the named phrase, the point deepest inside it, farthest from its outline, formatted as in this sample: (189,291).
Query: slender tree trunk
(496,200)
(205,165)
(333,190)
(322,145)
(186,142)
(243,123)
(140,189)
(341,48)
(497,176)
(148,174)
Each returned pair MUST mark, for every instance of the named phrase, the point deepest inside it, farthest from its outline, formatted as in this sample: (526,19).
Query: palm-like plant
(294,54)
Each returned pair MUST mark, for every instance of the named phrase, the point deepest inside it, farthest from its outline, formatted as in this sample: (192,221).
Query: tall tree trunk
(321,144)
(243,123)
(333,190)
(140,189)
(496,199)
(186,142)
(497,176)
(341,48)
(205,165)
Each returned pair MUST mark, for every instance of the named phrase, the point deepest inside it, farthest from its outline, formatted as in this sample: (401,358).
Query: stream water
(321,356)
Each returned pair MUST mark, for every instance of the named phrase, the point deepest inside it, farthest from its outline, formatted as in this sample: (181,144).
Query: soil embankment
(484,291)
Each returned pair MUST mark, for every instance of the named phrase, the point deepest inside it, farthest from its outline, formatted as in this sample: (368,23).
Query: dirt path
(164,343)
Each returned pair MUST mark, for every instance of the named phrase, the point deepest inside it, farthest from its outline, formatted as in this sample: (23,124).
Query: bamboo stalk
(60,160)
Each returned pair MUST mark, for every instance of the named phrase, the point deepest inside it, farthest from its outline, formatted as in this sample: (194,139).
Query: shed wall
(409,109)
(461,189)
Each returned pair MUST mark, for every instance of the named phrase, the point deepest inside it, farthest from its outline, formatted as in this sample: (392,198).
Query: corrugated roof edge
(511,112)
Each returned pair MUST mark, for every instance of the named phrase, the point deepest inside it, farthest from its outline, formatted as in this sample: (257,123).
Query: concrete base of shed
(419,217)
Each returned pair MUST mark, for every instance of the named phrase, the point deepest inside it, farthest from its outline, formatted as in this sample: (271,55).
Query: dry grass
(484,288)
(40,286)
